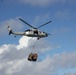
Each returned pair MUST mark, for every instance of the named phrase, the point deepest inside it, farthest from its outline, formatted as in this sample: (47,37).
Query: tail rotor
(10,30)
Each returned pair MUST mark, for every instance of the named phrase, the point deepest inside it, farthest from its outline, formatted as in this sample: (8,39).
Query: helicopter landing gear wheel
(38,38)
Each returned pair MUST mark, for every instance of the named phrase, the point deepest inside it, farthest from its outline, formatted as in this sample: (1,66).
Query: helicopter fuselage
(30,33)
(35,33)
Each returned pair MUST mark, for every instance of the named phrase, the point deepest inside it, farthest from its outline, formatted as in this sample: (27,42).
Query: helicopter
(34,32)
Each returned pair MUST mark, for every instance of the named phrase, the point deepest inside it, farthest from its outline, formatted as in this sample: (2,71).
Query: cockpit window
(35,32)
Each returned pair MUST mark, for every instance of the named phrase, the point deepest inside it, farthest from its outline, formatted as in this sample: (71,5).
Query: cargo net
(33,55)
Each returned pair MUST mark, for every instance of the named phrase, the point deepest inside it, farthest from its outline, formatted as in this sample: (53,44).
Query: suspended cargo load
(35,56)
(32,57)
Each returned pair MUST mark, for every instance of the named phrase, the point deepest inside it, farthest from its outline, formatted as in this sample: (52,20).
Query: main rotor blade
(44,24)
(49,34)
(26,23)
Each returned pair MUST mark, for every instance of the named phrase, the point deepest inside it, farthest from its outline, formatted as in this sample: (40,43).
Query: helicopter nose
(46,34)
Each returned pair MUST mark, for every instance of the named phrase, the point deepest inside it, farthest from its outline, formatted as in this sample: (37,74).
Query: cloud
(32,43)
(40,3)
(44,3)
(13,59)
(13,23)
(23,42)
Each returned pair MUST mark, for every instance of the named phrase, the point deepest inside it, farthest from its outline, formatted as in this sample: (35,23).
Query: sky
(56,53)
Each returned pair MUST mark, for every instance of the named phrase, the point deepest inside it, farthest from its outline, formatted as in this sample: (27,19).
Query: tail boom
(15,33)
